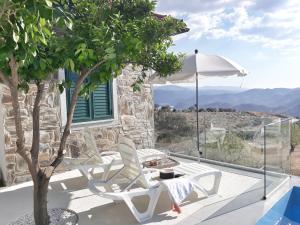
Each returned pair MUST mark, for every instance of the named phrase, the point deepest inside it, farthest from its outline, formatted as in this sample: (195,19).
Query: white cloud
(271,23)
(196,6)
(261,56)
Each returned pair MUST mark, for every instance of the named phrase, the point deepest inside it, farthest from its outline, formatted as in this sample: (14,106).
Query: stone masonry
(135,120)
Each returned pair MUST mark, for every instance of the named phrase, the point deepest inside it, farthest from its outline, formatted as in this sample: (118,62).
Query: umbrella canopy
(204,65)
(196,65)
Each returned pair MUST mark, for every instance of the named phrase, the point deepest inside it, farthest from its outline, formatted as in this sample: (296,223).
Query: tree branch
(50,169)
(13,86)
(36,127)
(16,106)
(60,154)
(88,72)
(14,71)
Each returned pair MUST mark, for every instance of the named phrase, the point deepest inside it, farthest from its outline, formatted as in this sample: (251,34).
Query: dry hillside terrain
(234,137)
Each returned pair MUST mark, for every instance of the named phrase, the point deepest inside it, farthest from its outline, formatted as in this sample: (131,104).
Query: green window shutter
(97,106)
(83,107)
(102,102)
(82,110)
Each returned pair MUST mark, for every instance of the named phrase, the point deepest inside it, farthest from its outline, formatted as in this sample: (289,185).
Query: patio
(239,194)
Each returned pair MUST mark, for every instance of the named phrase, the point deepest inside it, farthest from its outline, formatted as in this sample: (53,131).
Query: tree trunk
(40,200)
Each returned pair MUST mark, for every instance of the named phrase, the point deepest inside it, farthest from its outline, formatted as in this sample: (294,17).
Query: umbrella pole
(197,112)
(197,116)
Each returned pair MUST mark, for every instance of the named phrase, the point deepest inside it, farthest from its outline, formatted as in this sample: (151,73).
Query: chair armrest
(107,170)
(108,153)
(75,161)
(151,173)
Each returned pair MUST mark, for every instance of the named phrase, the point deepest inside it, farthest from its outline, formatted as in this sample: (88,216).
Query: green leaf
(42,22)
(110,56)
(26,38)
(69,24)
(43,40)
(70,64)
(68,83)
(22,23)
(16,37)
(49,3)
(109,50)
(46,31)
(43,64)
(136,87)
(82,46)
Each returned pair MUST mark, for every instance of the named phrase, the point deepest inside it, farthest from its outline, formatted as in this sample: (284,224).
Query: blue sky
(261,35)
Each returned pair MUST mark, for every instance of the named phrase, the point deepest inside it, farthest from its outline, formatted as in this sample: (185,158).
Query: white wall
(2,160)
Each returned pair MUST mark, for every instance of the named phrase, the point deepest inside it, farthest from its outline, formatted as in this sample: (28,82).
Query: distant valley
(279,100)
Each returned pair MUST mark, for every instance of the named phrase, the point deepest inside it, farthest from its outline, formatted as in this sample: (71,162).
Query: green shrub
(232,147)
(172,122)
(246,135)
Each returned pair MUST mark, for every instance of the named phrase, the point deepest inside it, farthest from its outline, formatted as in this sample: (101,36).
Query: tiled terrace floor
(228,207)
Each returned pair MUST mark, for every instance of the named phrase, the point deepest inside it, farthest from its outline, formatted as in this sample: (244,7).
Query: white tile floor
(68,190)
(247,215)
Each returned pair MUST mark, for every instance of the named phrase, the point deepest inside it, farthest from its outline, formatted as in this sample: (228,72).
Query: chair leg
(85,172)
(202,189)
(148,214)
(217,178)
(216,185)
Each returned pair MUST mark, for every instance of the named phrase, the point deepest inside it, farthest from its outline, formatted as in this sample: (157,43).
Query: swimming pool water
(285,212)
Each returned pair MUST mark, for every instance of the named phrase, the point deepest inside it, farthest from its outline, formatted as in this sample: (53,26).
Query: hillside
(279,100)
(233,137)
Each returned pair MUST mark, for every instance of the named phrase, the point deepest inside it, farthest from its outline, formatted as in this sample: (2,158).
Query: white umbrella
(196,65)
(204,65)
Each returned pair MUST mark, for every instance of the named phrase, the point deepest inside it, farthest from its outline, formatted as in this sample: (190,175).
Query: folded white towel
(179,188)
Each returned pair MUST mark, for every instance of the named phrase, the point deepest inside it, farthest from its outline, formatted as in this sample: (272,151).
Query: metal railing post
(290,149)
(265,165)
(197,111)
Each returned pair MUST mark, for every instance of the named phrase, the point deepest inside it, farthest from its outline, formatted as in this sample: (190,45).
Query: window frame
(105,122)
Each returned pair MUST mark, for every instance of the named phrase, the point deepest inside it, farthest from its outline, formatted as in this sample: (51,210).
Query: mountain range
(278,100)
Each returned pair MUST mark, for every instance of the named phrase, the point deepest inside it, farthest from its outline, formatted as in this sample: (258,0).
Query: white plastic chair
(139,182)
(93,159)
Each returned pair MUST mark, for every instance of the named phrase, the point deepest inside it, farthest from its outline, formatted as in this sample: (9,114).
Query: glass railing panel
(234,138)
(232,142)
(176,132)
(226,137)
(277,147)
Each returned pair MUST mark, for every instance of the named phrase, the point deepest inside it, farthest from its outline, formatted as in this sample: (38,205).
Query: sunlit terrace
(239,197)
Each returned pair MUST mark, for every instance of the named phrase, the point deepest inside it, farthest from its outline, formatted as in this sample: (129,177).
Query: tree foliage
(26,34)
(95,39)
(106,36)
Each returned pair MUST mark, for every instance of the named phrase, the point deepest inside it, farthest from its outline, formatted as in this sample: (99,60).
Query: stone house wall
(135,119)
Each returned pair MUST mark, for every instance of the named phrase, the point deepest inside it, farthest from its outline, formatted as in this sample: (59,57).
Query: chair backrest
(132,166)
(92,150)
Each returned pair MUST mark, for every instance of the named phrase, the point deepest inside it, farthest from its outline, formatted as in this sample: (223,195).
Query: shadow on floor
(250,196)
(16,203)
(119,214)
